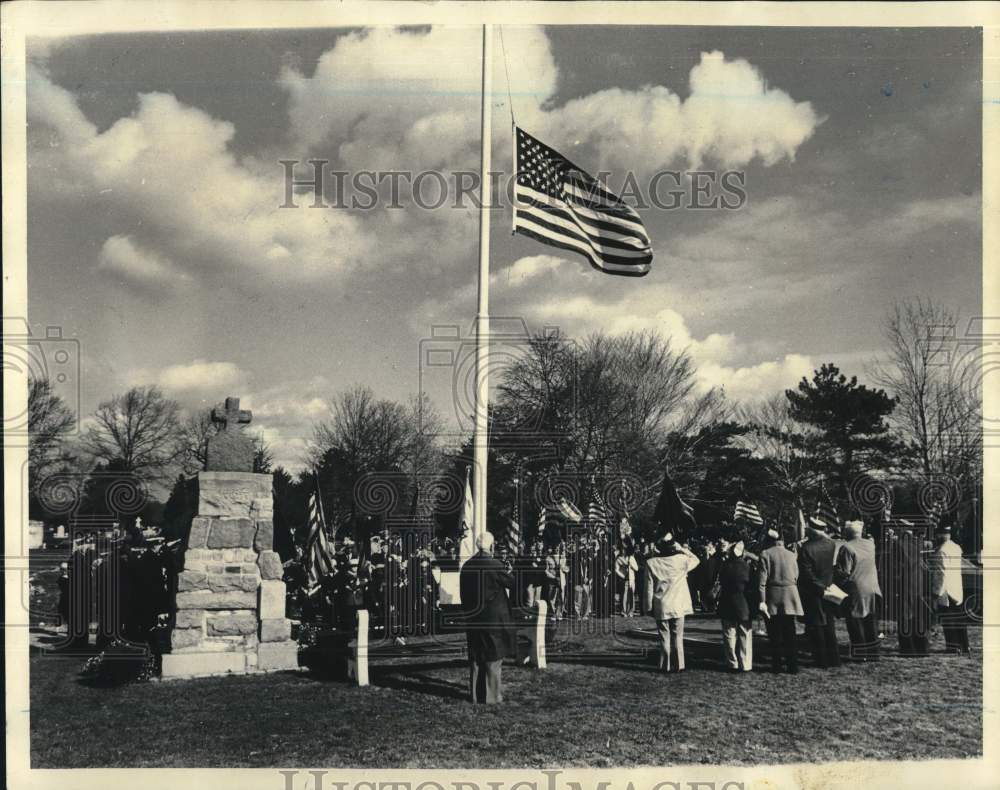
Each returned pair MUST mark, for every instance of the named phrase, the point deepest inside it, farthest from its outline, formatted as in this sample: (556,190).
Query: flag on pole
(467,526)
(748,512)
(569,511)
(557,203)
(672,513)
(514,533)
(826,513)
(319,557)
(597,512)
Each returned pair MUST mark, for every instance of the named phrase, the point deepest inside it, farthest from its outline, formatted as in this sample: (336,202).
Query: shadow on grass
(413,678)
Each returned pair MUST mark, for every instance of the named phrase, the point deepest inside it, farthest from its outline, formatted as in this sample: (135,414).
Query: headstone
(230,450)
(230,607)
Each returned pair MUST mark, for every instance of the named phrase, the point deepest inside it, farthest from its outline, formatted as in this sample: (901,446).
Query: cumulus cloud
(169,168)
(192,378)
(411,98)
(121,257)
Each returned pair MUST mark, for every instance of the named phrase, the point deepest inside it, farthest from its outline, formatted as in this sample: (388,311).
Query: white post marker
(357,664)
(538,643)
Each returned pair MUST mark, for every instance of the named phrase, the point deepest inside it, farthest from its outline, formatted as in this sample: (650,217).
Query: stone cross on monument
(230,450)
(230,594)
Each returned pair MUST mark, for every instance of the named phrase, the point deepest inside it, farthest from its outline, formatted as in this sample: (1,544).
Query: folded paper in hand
(834,594)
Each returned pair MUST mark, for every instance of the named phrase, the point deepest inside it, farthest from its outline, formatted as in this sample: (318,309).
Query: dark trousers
(913,635)
(864,641)
(823,639)
(781,635)
(956,630)
(484,681)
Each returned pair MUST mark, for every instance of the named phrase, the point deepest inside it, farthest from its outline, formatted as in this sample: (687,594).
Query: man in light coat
(668,598)
(779,601)
(947,591)
(857,574)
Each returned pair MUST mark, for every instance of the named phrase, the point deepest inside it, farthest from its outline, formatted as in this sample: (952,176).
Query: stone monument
(230,595)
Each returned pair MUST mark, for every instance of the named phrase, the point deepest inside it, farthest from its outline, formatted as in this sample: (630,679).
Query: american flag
(570,511)
(514,533)
(319,557)
(597,513)
(749,512)
(559,204)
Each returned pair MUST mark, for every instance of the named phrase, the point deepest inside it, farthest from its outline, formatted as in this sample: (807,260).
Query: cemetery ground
(600,703)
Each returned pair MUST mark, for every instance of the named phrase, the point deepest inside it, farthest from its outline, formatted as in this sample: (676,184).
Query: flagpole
(480,438)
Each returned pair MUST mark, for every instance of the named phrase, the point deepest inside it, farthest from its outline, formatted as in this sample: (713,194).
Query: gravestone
(230,595)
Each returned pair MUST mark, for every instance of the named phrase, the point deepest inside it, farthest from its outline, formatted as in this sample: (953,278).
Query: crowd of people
(896,582)
(124,580)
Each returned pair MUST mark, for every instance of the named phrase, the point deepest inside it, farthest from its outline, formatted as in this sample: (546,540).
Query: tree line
(599,416)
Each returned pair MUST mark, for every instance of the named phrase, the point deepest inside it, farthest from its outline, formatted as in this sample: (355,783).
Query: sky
(156,239)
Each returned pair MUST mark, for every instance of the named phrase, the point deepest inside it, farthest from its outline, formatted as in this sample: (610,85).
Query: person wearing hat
(815,556)
(947,591)
(483,585)
(857,574)
(779,601)
(668,598)
(734,609)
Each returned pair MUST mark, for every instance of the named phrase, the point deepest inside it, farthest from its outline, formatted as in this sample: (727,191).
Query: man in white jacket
(947,591)
(668,597)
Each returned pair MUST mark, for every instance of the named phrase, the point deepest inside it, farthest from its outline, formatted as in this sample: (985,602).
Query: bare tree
(939,402)
(139,430)
(781,442)
(197,429)
(49,424)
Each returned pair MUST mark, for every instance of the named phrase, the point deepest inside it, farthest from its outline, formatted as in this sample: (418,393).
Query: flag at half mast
(559,204)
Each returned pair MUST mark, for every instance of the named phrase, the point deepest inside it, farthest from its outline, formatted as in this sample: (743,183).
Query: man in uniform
(779,601)
(815,557)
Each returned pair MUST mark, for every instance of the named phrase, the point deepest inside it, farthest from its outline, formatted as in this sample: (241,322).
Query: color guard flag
(467,526)
(557,203)
(748,512)
(318,555)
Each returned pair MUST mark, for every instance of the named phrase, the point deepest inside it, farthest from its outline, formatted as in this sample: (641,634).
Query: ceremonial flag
(748,512)
(319,557)
(569,511)
(467,526)
(826,513)
(514,533)
(672,513)
(559,204)
(597,513)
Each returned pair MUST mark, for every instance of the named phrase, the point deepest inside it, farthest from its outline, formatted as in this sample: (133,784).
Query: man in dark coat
(734,609)
(483,585)
(816,561)
(913,607)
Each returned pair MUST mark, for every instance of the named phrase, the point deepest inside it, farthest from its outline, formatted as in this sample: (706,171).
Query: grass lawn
(600,703)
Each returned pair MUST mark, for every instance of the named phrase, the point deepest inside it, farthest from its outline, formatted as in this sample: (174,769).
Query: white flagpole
(480,438)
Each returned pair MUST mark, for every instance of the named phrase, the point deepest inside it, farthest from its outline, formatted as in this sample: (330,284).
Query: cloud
(168,170)
(395,98)
(193,378)
(120,256)
(731,117)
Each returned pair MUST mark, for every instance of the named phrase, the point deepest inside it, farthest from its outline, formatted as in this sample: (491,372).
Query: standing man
(779,601)
(734,610)
(483,584)
(858,575)
(815,557)
(668,597)
(947,591)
